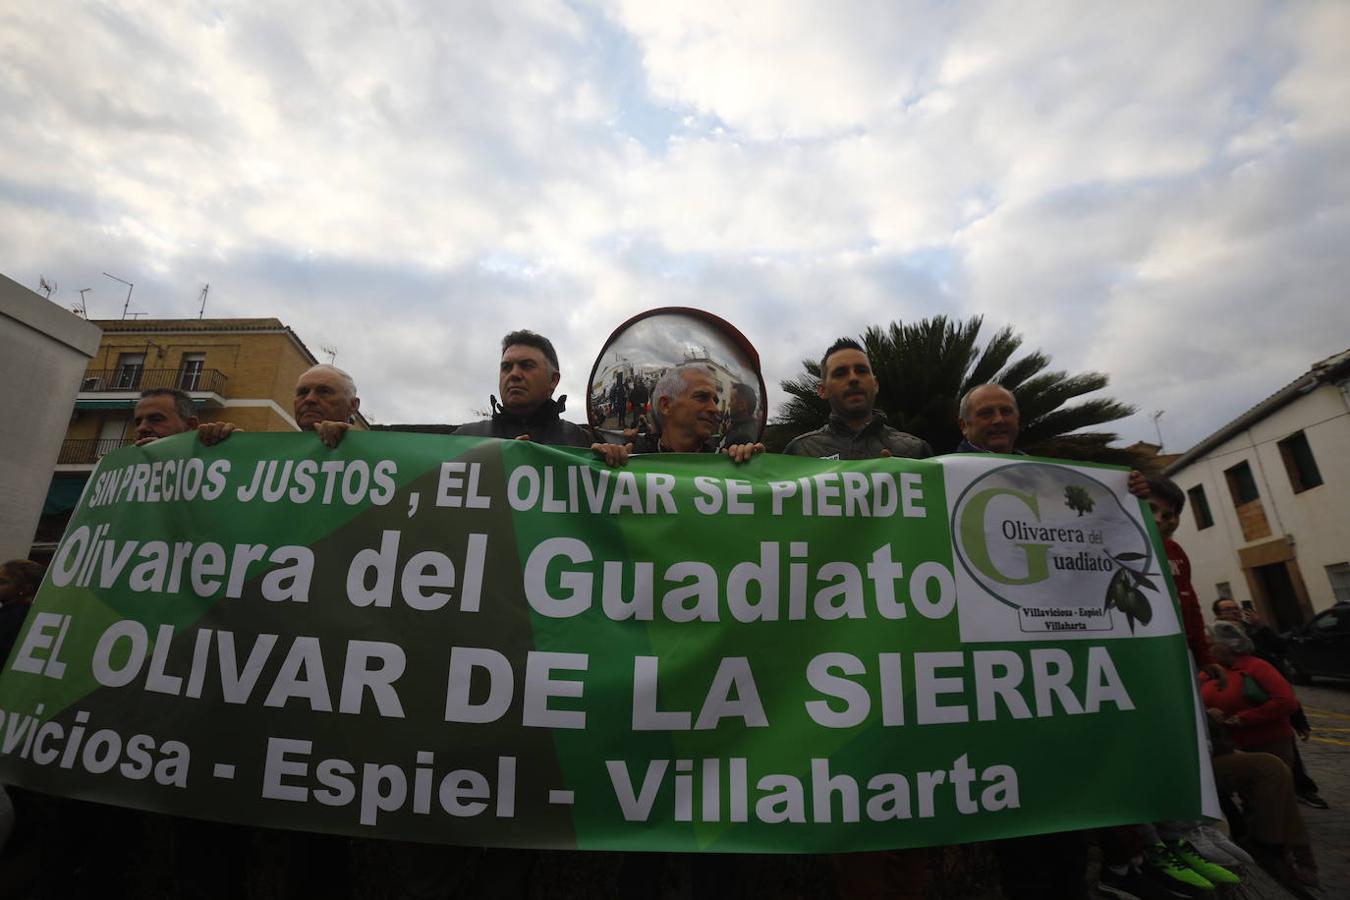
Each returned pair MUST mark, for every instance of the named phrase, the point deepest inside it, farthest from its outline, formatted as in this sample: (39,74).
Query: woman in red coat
(1254,698)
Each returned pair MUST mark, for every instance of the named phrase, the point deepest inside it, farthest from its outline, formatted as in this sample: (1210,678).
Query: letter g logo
(976,542)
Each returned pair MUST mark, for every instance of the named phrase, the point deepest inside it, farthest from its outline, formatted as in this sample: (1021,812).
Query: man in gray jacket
(856,429)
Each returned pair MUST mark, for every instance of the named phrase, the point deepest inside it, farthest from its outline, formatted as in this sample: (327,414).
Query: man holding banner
(1048,864)
(164,412)
(686,405)
(528,376)
(856,430)
(325,402)
(499,643)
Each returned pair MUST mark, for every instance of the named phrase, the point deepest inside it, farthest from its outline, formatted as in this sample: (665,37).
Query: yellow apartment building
(235,370)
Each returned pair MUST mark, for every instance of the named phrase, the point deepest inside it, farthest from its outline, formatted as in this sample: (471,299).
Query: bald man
(326,402)
(990,422)
(1044,865)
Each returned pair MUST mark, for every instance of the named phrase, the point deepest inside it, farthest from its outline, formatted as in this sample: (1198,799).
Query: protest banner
(473,641)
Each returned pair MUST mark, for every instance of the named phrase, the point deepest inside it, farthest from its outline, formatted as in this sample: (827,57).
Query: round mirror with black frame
(664,351)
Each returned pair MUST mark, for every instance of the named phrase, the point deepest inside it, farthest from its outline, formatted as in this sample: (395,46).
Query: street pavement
(1326,755)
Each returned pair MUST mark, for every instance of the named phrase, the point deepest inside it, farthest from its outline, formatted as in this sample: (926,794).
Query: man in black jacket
(528,376)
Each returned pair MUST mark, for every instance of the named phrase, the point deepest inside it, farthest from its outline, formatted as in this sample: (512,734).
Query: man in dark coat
(528,376)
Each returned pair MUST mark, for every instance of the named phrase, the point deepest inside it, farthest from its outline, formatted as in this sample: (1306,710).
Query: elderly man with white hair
(687,406)
(326,402)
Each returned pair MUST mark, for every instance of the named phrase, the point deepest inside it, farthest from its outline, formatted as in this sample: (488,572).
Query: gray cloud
(1155,191)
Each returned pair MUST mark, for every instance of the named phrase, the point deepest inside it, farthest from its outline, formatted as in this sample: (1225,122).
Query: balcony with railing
(134,378)
(88,451)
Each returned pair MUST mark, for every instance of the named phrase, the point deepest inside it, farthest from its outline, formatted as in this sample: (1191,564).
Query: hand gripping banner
(480,642)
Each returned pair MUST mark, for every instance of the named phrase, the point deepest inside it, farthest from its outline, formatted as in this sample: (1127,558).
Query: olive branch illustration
(1123,592)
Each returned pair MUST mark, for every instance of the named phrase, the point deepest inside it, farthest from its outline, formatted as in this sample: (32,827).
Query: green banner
(482,642)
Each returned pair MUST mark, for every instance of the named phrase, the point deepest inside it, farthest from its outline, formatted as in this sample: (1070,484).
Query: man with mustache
(856,430)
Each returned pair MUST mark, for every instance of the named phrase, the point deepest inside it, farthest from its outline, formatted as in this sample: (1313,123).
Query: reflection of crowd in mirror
(739,423)
(627,402)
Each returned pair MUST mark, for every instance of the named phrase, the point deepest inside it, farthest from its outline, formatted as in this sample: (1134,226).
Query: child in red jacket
(1167,501)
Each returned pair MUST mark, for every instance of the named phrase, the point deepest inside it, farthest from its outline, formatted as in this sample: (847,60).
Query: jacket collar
(967,447)
(546,413)
(839,425)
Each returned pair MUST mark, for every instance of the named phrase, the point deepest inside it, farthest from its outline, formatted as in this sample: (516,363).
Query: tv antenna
(1158,428)
(83,309)
(125,306)
(332,353)
(202,297)
(46,286)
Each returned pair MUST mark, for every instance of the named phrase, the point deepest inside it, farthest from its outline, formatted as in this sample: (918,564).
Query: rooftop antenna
(125,306)
(1158,428)
(332,353)
(83,308)
(202,297)
(45,286)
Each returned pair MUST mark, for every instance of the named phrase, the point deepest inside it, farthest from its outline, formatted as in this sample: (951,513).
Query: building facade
(1267,521)
(43,351)
(235,370)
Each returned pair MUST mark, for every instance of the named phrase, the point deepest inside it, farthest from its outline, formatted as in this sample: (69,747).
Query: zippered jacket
(835,440)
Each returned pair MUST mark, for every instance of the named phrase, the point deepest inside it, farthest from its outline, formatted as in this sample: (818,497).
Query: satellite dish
(641,350)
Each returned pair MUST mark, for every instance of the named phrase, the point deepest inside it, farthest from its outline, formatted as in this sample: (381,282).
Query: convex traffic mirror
(619,397)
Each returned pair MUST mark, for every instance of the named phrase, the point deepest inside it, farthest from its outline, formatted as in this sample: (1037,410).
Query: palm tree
(923,370)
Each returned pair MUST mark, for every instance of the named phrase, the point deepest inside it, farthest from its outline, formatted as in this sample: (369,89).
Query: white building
(43,352)
(1267,519)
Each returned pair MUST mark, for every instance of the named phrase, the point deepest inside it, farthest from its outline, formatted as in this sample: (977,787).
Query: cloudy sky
(1157,190)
